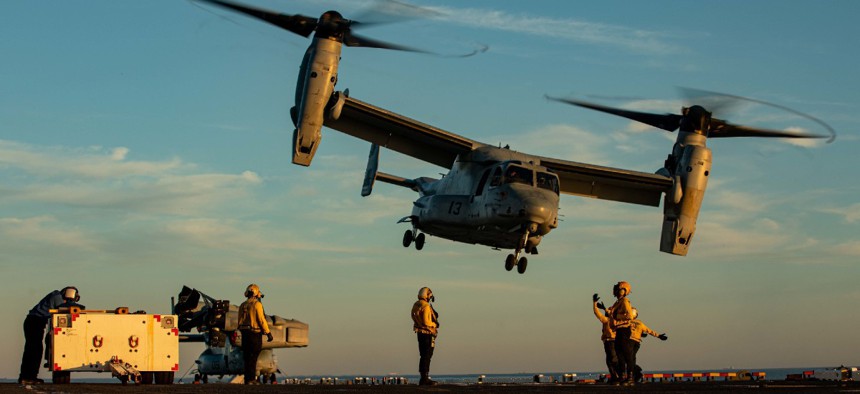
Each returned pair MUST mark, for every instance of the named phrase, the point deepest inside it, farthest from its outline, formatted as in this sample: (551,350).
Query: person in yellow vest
(639,330)
(608,338)
(425,321)
(253,325)
(621,318)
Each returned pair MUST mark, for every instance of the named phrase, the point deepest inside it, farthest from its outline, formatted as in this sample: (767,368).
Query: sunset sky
(145,145)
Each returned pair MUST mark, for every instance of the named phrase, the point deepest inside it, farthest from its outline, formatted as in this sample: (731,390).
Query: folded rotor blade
(299,24)
(668,122)
(722,129)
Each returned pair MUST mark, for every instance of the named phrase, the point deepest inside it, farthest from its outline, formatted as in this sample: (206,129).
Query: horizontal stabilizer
(396,180)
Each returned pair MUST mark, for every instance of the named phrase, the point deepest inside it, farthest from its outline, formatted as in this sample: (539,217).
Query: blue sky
(144,145)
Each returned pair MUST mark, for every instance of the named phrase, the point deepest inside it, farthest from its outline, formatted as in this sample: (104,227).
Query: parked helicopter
(217,322)
(318,72)
(495,196)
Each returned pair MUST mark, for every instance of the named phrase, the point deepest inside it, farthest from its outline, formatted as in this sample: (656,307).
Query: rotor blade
(299,24)
(390,11)
(722,129)
(718,104)
(354,40)
(727,101)
(668,122)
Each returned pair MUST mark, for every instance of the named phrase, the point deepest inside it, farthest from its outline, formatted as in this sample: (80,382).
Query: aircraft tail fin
(371,171)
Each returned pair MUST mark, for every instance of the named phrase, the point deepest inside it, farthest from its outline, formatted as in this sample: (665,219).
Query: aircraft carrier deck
(669,387)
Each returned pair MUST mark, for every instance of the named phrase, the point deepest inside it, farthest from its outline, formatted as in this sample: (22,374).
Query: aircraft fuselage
(491,197)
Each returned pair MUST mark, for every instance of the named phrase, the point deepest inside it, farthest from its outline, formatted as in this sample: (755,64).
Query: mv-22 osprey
(491,195)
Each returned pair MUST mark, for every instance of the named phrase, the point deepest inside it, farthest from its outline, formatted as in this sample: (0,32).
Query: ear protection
(253,291)
(71,293)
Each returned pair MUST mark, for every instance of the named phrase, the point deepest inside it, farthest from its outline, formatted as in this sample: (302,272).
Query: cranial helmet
(624,286)
(71,293)
(426,294)
(635,314)
(253,291)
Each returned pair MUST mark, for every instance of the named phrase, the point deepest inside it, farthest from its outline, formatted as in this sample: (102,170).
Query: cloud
(95,162)
(635,40)
(737,201)
(45,230)
(562,141)
(851,248)
(249,238)
(850,214)
(102,178)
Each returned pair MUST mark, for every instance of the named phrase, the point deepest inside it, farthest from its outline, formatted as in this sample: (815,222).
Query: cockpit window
(547,181)
(517,174)
(497,177)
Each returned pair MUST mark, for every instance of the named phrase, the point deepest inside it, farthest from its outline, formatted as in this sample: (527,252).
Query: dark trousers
(252,344)
(624,348)
(637,370)
(611,359)
(426,344)
(34,331)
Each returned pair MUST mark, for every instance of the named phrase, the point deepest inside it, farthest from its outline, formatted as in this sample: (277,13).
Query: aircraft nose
(536,211)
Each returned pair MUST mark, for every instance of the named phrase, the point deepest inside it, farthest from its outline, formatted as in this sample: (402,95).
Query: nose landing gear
(515,260)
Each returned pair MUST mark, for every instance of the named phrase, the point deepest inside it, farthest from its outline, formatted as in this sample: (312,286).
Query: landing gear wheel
(510,262)
(407,238)
(521,265)
(61,377)
(419,241)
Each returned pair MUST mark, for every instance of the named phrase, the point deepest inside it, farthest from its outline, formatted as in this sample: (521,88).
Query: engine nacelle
(681,206)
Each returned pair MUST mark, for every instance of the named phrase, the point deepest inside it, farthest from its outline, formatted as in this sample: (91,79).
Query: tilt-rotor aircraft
(491,195)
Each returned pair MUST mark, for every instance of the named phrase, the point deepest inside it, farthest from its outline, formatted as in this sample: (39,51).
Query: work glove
(601,306)
(663,337)
(595,298)
(269,337)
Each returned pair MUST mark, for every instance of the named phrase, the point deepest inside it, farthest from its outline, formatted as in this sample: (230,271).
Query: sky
(145,145)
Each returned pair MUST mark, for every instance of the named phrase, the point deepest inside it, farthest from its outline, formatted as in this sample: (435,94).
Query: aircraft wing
(607,183)
(399,133)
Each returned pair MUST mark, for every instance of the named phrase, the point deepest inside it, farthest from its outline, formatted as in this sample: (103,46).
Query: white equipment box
(127,345)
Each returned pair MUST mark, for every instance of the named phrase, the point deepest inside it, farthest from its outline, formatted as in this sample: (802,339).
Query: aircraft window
(497,177)
(547,181)
(516,174)
(482,182)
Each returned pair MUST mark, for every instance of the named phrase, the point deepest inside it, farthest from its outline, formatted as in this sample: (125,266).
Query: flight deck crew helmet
(634,314)
(426,294)
(624,286)
(253,291)
(71,293)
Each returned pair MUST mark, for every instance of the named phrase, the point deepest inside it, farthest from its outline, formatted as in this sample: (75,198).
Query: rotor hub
(696,119)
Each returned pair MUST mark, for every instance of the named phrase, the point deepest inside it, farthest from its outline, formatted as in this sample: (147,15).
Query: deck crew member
(639,330)
(608,338)
(34,328)
(621,317)
(253,325)
(425,321)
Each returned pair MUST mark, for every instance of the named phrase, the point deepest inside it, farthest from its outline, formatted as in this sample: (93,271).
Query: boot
(425,380)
